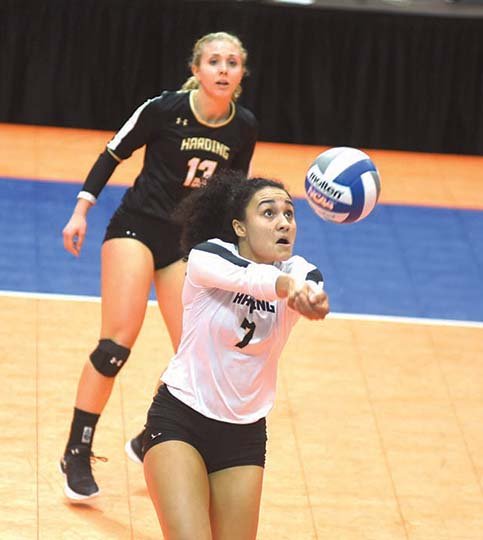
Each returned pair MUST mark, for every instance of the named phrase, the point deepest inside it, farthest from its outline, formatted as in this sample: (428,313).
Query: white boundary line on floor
(345,316)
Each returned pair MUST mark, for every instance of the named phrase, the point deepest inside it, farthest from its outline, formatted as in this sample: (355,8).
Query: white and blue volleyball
(342,185)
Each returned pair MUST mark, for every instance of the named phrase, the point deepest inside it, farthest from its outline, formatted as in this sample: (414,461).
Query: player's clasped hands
(312,304)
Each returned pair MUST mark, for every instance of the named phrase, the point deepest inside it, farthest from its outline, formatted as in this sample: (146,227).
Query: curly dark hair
(208,212)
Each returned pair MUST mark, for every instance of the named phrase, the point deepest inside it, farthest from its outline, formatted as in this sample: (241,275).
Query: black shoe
(76,467)
(134,448)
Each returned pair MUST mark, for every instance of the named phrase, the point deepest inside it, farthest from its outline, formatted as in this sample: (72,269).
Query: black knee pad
(109,357)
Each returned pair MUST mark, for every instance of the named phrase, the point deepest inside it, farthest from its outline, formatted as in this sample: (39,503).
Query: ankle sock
(82,428)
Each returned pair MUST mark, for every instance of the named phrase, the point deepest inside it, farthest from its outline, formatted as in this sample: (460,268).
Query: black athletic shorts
(161,237)
(221,444)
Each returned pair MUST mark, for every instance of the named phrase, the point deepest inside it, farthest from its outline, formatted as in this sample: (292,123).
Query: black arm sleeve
(100,173)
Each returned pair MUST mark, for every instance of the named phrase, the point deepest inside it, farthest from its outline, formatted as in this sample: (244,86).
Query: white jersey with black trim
(234,330)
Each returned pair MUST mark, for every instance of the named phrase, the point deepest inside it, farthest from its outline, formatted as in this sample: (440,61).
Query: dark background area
(369,78)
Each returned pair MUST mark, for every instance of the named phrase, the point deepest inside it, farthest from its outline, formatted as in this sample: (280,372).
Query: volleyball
(342,185)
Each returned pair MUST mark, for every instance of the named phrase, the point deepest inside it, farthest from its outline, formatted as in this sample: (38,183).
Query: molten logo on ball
(323,185)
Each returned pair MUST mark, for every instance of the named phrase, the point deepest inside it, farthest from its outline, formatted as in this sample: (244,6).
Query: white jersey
(234,330)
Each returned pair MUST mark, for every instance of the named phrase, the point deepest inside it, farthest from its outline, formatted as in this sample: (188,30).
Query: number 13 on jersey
(199,172)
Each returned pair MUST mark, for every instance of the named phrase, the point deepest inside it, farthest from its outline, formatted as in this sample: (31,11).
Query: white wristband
(87,196)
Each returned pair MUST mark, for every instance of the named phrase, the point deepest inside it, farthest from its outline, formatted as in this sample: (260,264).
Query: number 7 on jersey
(250,327)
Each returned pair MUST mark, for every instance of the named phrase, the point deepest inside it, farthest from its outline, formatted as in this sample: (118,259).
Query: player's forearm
(82,207)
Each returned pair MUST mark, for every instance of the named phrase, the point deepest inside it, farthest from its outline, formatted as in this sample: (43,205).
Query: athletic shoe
(77,469)
(134,448)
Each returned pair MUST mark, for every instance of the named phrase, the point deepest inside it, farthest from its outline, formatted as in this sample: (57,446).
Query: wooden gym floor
(377,429)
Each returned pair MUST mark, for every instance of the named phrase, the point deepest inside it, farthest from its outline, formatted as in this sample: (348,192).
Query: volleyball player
(188,135)
(205,436)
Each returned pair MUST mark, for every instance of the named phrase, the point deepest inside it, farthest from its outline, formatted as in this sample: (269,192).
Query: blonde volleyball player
(205,438)
(187,135)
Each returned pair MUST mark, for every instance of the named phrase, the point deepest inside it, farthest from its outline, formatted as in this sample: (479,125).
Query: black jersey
(181,150)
